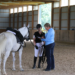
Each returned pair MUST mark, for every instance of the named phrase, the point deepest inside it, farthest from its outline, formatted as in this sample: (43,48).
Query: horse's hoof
(21,69)
(4,74)
(13,69)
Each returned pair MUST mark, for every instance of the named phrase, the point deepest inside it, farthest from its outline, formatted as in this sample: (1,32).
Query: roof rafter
(9,3)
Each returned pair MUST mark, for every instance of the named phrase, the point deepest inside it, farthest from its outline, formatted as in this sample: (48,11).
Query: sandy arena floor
(64,61)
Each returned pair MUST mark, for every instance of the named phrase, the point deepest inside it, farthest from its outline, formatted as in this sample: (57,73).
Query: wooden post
(38,13)
(13,18)
(52,13)
(68,14)
(27,14)
(32,18)
(17,17)
(9,19)
(22,16)
(60,15)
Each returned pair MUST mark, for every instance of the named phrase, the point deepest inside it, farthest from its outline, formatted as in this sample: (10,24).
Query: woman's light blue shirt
(49,37)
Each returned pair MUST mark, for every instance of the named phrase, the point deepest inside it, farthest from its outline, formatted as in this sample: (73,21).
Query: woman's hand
(34,43)
(42,37)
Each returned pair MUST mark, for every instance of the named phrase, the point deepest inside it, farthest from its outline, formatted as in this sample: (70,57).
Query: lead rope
(21,45)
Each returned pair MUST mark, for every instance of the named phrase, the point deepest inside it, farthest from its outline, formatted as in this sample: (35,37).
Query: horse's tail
(2,44)
(2,47)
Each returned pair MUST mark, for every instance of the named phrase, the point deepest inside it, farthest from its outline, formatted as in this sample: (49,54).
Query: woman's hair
(38,26)
(47,25)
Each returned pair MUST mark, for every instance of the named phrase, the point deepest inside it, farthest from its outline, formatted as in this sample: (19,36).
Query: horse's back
(2,43)
(6,40)
(8,36)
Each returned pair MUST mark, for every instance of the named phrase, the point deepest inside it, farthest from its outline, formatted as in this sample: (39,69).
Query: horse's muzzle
(27,39)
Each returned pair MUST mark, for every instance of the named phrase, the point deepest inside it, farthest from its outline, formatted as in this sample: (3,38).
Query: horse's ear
(24,25)
(28,26)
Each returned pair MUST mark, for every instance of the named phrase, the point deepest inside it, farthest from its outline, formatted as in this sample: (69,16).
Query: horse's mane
(23,30)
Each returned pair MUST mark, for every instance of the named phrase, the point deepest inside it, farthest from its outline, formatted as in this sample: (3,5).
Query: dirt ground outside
(64,61)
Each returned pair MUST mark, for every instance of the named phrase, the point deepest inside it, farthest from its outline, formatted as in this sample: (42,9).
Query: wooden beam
(68,14)
(21,3)
(27,14)
(6,4)
(13,18)
(52,13)
(22,16)
(38,14)
(17,17)
(60,15)
(8,7)
(25,0)
(32,17)
(9,19)
(47,0)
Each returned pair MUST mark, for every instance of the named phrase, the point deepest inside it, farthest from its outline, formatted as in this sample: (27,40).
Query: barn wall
(20,19)
(63,17)
(65,36)
(32,33)
(29,16)
(60,21)
(4,19)
(63,22)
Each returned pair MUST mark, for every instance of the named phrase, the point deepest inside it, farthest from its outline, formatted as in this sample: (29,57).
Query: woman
(49,43)
(38,45)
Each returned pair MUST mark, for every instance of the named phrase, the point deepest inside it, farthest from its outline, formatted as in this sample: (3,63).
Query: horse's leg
(20,56)
(4,61)
(13,54)
(0,64)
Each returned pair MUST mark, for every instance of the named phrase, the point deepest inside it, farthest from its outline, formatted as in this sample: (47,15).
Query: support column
(68,14)
(9,19)
(60,15)
(32,18)
(52,13)
(17,17)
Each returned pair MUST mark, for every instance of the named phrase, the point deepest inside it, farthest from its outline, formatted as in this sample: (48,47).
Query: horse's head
(25,32)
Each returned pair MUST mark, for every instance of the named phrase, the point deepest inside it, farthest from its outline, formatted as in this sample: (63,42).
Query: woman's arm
(47,37)
(34,41)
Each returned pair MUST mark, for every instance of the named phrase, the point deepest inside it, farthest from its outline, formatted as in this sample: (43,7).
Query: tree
(45,14)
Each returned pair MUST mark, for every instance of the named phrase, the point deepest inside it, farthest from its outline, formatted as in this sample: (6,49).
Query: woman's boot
(34,66)
(39,62)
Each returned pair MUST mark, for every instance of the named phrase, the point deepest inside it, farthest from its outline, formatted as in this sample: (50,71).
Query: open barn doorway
(45,14)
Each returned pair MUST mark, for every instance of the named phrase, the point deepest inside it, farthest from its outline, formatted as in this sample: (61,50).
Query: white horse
(8,43)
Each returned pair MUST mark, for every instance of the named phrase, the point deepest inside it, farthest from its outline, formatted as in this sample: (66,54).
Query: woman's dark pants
(50,56)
